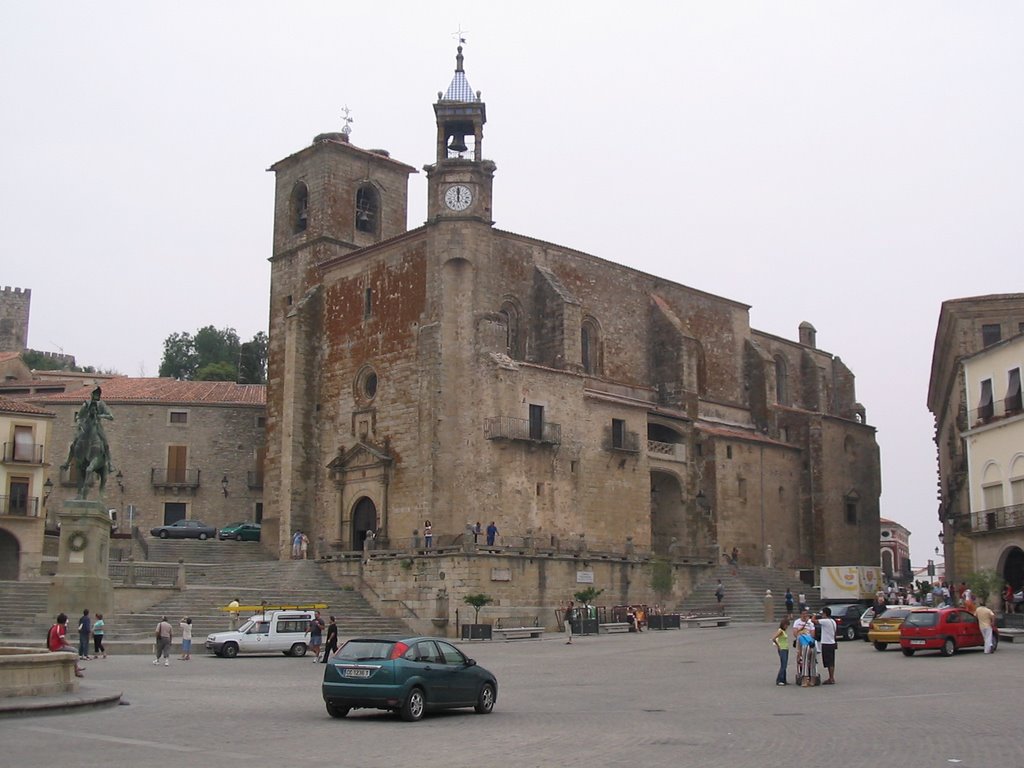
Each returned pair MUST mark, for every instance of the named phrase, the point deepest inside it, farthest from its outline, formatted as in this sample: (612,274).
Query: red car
(946,630)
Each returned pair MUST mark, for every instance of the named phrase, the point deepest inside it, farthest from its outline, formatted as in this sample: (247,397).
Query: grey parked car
(185,529)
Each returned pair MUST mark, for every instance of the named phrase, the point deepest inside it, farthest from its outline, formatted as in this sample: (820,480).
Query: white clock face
(458,197)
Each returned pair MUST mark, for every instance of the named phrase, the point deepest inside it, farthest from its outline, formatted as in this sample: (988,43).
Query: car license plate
(357,673)
(917,642)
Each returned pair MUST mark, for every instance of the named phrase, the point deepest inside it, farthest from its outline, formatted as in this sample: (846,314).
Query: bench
(614,626)
(713,621)
(518,627)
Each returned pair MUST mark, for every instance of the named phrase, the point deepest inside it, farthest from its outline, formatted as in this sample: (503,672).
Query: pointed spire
(459,88)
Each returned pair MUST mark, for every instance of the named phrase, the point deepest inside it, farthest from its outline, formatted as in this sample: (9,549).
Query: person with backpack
(57,640)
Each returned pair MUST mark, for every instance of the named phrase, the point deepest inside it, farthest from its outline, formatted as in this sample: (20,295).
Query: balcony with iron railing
(163,477)
(998,519)
(254,480)
(19,506)
(509,428)
(23,453)
(997,409)
(624,442)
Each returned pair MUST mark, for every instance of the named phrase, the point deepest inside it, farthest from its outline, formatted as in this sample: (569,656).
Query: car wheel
(880,646)
(202,537)
(948,647)
(163,534)
(238,537)
(414,705)
(299,649)
(335,711)
(485,701)
(230,650)
(850,633)
(908,651)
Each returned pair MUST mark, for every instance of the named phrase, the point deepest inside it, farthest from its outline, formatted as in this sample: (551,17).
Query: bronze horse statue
(89,452)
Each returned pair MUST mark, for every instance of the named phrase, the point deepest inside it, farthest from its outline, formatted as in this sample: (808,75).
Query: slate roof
(7,405)
(171,391)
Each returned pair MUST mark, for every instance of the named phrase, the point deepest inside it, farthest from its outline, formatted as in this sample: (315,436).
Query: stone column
(82,579)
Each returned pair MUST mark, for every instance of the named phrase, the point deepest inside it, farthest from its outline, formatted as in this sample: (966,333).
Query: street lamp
(120,480)
(48,489)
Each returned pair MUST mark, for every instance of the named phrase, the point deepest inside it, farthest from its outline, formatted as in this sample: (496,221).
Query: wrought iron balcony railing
(998,519)
(183,478)
(508,428)
(23,453)
(19,506)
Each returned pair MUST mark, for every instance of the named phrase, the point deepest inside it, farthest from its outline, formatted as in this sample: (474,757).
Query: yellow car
(885,629)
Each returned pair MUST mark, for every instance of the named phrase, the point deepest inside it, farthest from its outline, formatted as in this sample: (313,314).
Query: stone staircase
(216,573)
(745,587)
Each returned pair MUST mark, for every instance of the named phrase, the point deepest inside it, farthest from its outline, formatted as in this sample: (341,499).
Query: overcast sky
(852,164)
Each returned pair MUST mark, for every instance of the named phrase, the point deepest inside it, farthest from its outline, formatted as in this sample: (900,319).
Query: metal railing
(509,428)
(186,478)
(22,453)
(997,409)
(19,506)
(998,519)
(147,574)
(627,442)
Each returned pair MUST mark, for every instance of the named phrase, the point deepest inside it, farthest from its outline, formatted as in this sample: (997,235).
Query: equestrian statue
(89,452)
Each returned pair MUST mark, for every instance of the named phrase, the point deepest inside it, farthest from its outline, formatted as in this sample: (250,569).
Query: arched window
(513,334)
(590,346)
(781,381)
(367,209)
(299,209)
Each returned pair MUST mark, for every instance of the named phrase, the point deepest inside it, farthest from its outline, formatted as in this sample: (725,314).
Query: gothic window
(590,346)
(367,209)
(299,207)
(781,381)
(513,334)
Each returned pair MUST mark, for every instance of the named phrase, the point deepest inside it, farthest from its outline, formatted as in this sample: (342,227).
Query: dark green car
(241,531)
(409,676)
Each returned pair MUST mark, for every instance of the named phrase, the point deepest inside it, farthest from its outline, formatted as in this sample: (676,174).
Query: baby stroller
(807,661)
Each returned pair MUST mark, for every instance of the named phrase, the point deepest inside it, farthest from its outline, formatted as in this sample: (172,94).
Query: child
(781,643)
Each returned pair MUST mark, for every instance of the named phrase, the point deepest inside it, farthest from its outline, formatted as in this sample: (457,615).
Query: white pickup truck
(274,631)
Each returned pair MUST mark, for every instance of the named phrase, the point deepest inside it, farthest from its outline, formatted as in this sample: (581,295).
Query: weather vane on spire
(347,120)
(460,35)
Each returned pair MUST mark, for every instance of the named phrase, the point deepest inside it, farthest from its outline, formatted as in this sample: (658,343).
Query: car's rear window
(364,650)
(896,613)
(921,619)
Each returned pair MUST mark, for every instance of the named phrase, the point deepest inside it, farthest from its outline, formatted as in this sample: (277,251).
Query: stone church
(456,373)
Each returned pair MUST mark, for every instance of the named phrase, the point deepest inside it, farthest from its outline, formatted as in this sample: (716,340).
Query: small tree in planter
(476,630)
(586,596)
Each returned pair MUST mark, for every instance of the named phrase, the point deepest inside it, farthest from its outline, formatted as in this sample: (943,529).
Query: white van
(269,632)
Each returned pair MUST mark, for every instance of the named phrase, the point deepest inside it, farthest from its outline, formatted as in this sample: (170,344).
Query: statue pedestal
(82,579)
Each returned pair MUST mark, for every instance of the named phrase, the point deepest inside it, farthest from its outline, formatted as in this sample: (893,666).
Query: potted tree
(476,630)
(586,624)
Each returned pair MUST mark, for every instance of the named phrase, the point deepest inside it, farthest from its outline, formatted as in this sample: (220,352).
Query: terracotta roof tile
(7,405)
(134,390)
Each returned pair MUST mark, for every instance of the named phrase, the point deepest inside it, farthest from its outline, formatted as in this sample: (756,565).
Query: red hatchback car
(942,629)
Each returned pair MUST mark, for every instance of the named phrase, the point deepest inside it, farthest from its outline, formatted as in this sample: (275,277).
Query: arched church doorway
(668,514)
(364,520)
(1013,568)
(10,557)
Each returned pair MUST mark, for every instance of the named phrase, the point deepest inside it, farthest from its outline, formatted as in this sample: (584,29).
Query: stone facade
(14,313)
(173,443)
(459,373)
(966,326)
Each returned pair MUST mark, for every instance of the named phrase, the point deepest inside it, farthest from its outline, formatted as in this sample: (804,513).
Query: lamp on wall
(942,537)
(120,480)
(224,484)
(47,490)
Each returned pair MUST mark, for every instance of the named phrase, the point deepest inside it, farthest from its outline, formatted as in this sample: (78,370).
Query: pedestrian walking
(84,632)
(296,545)
(316,635)
(99,629)
(492,531)
(303,547)
(331,645)
(789,603)
(986,620)
(781,643)
(720,596)
(164,634)
(567,621)
(186,638)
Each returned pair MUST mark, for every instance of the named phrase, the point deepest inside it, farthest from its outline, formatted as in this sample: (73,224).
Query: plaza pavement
(692,697)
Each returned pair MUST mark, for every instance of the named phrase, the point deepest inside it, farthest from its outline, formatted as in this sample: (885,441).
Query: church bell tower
(460,182)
